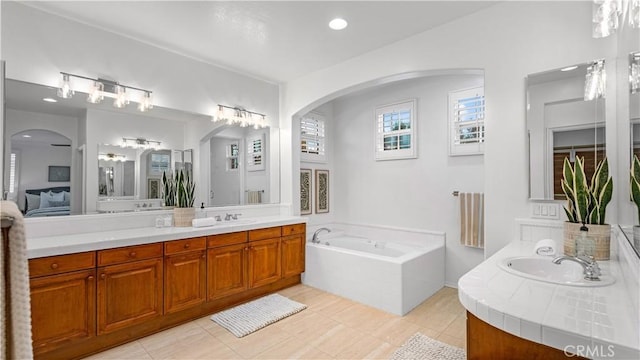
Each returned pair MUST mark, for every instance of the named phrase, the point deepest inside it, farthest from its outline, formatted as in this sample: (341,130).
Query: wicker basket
(182,216)
(601,234)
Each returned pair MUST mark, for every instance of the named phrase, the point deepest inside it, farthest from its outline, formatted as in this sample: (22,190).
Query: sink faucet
(314,239)
(589,264)
(227,217)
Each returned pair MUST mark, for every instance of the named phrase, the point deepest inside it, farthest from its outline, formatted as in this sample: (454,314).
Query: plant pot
(601,234)
(182,216)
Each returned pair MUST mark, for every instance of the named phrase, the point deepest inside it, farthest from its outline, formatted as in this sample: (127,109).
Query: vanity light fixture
(99,88)
(634,14)
(338,24)
(595,81)
(112,157)
(140,143)
(634,73)
(240,116)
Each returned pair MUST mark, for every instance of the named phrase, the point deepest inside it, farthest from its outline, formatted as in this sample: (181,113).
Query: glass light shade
(145,103)
(96,92)
(634,73)
(220,115)
(121,97)
(65,91)
(634,14)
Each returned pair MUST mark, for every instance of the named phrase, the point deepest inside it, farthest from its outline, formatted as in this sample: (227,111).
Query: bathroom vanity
(509,316)
(93,291)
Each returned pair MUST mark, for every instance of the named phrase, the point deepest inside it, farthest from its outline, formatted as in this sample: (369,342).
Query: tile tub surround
(98,240)
(550,314)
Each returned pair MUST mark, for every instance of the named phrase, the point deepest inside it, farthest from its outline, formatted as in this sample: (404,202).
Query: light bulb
(145,103)
(65,91)
(121,97)
(95,93)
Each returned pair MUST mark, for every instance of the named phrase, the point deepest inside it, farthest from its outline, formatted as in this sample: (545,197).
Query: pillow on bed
(53,203)
(33,202)
(46,197)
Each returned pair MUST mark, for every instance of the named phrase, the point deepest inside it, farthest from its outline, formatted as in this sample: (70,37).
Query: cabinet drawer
(226,239)
(62,263)
(293,229)
(178,246)
(267,233)
(129,253)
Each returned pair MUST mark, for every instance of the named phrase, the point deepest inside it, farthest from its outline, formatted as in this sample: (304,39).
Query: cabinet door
(129,294)
(184,281)
(226,270)
(264,262)
(293,248)
(63,309)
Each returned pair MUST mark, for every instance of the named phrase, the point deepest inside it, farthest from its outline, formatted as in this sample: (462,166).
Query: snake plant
(168,190)
(586,203)
(185,189)
(635,183)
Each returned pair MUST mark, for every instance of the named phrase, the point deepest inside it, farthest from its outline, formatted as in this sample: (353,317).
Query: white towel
(15,326)
(203,222)
(254,197)
(472,219)
(545,247)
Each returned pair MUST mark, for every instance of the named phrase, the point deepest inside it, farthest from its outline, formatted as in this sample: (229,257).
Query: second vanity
(94,290)
(526,318)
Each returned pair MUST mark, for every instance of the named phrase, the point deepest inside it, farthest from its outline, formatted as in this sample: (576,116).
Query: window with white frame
(396,135)
(255,153)
(312,138)
(466,122)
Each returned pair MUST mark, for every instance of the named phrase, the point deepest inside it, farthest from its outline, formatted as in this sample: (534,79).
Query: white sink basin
(543,269)
(236,222)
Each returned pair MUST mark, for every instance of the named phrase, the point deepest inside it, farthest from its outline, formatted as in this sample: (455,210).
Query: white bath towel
(15,327)
(254,197)
(472,219)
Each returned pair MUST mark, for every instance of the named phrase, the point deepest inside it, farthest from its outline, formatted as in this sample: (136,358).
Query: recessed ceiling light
(51,100)
(26,136)
(569,68)
(338,24)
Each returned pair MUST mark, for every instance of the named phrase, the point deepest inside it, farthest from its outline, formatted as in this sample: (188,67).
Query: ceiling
(275,41)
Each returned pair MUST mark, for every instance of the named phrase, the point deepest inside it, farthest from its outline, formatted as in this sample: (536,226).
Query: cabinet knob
(246,249)
(132,254)
(54,266)
(103,276)
(186,246)
(90,277)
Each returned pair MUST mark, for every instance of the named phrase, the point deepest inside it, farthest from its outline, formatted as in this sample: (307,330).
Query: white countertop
(550,314)
(74,243)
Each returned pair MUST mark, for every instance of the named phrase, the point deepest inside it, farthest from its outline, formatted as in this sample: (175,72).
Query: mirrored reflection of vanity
(561,124)
(107,175)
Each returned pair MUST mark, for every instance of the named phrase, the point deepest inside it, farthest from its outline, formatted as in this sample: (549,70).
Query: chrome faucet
(314,239)
(589,264)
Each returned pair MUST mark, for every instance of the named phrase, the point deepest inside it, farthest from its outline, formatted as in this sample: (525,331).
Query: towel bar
(455,193)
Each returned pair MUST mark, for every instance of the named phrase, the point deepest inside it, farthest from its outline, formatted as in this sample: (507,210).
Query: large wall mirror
(561,124)
(73,149)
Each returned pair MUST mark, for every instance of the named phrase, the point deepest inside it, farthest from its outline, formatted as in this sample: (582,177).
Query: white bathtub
(388,275)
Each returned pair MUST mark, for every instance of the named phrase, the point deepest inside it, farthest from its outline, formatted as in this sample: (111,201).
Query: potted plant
(179,192)
(587,205)
(635,195)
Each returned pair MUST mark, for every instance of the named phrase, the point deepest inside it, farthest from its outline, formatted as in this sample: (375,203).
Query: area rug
(244,319)
(420,346)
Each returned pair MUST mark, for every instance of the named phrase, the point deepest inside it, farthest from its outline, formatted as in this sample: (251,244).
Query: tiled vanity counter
(603,322)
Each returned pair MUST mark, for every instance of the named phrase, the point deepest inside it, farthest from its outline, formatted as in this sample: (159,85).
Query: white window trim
(315,158)
(476,148)
(251,164)
(412,152)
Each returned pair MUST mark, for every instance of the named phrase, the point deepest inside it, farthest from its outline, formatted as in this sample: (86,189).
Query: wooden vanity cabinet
(264,261)
(293,249)
(130,290)
(226,264)
(185,274)
(63,298)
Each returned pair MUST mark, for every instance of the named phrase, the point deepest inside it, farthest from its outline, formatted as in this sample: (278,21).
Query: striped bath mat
(244,319)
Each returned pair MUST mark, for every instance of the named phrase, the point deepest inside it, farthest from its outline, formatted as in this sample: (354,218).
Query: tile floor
(331,327)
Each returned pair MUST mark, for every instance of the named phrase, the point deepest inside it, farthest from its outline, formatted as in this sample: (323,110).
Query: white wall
(508,40)
(325,110)
(411,193)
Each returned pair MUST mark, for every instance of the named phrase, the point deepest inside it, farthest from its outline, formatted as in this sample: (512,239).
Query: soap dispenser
(585,245)
(201,213)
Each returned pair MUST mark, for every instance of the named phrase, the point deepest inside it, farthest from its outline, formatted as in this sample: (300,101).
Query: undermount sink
(543,269)
(238,222)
